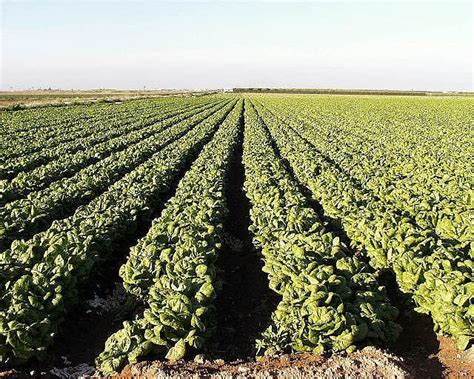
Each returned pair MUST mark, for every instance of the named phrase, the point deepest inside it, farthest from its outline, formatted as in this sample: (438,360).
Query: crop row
(330,299)
(335,203)
(69,164)
(24,120)
(36,137)
(22,123)
(414,183)
(25,217)
(172,269)
(45,274)
(34,140)
(15,166)
(413,128)
(438,276)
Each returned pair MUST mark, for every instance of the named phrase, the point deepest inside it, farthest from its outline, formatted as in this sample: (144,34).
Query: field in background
(19,99)
(205,230)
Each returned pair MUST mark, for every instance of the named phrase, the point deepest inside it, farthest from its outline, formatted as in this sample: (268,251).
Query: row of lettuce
(25,217)
(69,164)
(416,156)
(42,276)
(330,299)
(172,269)
(49,127)
(437,273)
(47,118)
(91,137)
(64,129)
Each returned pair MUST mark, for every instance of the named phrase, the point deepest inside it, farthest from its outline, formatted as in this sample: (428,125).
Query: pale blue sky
(111,44)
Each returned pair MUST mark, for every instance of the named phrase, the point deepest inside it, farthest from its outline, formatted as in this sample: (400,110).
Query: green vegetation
(330,299)
(344,192)
(172,269)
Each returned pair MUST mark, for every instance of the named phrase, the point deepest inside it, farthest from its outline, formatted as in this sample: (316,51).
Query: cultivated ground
(228,208)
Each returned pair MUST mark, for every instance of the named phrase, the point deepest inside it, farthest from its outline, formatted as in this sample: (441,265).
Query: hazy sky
(132,44)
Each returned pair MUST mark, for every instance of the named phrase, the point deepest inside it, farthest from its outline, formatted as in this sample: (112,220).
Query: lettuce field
(233,226)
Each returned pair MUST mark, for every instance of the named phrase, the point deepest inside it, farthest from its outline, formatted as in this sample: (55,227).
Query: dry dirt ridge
(369,362)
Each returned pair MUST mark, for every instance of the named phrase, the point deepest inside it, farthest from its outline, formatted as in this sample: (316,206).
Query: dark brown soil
(246,302)
(82,338)
(418,345)
(428,355)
